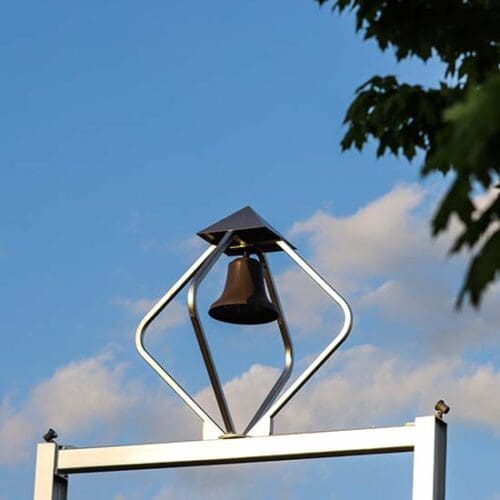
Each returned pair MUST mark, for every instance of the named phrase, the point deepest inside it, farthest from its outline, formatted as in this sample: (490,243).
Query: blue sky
(126,128)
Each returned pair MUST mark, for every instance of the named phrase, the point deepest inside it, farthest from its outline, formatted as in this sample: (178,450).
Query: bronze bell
(244,300)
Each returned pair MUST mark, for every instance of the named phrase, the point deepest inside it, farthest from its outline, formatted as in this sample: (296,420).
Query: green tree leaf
(455,126)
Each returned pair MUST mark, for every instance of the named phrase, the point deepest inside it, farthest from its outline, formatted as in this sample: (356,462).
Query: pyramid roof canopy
(249,228)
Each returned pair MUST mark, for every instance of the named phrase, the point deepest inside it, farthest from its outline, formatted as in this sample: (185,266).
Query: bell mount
(242,233)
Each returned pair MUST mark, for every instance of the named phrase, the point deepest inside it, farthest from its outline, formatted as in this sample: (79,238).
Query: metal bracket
(200,334)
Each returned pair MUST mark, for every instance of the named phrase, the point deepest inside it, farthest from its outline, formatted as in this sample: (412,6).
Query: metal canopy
(249,229)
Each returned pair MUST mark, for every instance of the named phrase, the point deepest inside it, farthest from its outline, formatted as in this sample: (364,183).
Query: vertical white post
(429,459)
(48,485)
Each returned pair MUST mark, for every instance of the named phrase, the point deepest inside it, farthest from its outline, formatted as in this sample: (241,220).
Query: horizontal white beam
(238,450)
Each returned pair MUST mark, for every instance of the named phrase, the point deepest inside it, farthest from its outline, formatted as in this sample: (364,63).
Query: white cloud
(360,386)
(381,236)
(383,260)
(305,305)
(428,309)
(476,396)
(365,385)
(79,396)
(371,386)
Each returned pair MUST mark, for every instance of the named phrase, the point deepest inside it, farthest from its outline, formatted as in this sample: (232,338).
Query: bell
(244,300)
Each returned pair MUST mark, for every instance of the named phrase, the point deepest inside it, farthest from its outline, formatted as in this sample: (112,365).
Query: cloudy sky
(127,127)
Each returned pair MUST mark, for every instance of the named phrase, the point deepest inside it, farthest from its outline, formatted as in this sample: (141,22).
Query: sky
(129,126)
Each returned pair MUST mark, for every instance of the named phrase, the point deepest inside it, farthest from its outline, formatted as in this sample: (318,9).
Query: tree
(455,125)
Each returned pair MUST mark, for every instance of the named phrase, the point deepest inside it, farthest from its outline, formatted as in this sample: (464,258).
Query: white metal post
(48,484)
(429,459)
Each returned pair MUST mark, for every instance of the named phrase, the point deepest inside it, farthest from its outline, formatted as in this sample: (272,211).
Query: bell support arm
(264,425)
(210,429)
(285,337)
(200,335)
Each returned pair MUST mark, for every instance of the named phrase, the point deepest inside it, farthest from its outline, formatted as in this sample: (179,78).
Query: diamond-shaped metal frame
(244,230)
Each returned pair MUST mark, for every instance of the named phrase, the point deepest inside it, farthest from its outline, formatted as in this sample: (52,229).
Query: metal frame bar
(426,437)
(200,334)
(285,337)
(264,425)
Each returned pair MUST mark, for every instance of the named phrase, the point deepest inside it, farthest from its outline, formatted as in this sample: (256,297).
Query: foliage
(455,125)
